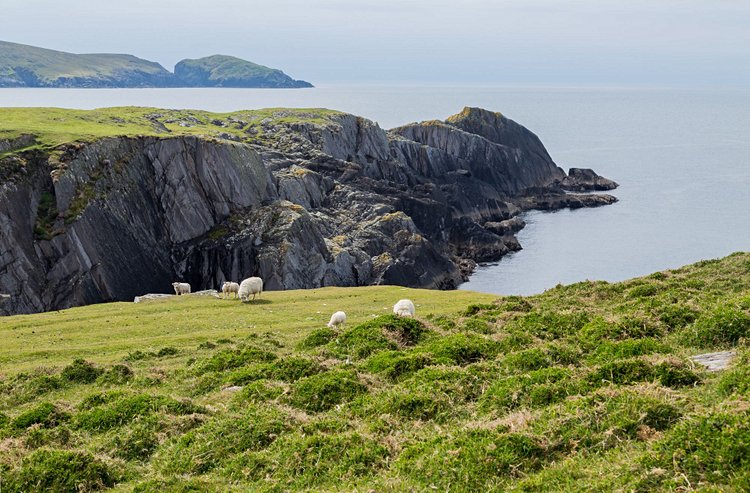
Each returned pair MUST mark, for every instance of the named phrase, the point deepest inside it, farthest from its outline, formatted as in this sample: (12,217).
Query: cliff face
(312,203)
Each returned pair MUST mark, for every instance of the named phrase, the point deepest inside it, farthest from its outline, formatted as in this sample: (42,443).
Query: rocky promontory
(302,198)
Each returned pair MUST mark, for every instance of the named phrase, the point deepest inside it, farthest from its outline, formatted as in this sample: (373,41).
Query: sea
(681,157)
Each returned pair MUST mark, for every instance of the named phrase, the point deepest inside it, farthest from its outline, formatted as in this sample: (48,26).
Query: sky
(682,43)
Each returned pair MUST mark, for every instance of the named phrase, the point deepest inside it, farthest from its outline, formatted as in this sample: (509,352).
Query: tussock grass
(587,387)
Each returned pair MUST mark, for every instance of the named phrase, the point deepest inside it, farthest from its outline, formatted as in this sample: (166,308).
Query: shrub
(167,351)
(4,420)
(735,379)
(628,348)
(534,389)
(138,442)
(259,391)
(217,441)
(706,449)
(386,332)
(318,337)
(81,371)
(598,330)
(397,365)
(676,316)
(308,462)
(526,360)
(117,375)
(122,411)
(643,291)
(175,485)
(474,460)
(227,359)
(288,369)
(323,391)
(46,414)
(604,420)
(475,308)
(477,325)
(460,349)
(59,471)
(550,325)
(624,372)
(724,326)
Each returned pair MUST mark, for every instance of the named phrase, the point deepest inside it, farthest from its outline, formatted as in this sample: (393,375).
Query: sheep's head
(175,284)
(226,284)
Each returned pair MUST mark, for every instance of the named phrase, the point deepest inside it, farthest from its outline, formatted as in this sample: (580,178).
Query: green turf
(587,387)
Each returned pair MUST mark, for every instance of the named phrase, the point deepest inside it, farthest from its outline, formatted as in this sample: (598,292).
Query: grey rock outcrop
(583,179)
(341,202)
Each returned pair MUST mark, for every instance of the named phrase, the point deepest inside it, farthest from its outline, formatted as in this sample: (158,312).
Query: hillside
(228,71)
(102,205)
(587,387)
(30,66)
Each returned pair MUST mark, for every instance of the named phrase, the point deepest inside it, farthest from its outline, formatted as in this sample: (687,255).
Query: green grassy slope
(54,126)
(48,67)
(587,387)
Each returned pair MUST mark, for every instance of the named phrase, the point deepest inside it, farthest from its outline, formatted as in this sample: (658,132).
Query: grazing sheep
(404,308)
(181,288)
(338,318)
(229,287)
(250,286)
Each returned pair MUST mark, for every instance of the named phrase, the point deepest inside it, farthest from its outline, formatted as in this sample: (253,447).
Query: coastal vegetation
(586,387)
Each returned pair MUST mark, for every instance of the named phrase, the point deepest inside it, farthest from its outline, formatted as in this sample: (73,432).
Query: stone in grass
(715,361)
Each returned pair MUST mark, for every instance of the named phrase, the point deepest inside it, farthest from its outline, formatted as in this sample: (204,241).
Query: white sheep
(404,308)
(250,286)
(338,318)
(181,288)
(228,288)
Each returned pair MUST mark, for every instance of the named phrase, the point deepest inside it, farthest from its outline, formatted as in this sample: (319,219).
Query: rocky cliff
(303,200)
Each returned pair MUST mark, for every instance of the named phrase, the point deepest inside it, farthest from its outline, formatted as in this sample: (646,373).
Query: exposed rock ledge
(316,203)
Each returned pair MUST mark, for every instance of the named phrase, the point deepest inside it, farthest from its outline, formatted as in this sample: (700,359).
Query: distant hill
(229,71)
(29,66)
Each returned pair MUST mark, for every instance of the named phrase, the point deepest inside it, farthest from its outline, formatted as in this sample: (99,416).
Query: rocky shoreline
(303,203)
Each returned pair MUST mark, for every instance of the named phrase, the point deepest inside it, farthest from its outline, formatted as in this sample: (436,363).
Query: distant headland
(30,66)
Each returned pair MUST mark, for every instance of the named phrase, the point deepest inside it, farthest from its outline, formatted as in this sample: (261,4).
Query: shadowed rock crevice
(303,203)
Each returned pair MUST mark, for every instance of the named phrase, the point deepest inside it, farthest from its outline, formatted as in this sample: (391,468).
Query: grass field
(587,387)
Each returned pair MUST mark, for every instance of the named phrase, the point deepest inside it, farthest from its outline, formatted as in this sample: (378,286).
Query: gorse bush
(122,411)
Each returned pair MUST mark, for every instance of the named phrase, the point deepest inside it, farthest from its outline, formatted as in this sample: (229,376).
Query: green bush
(534,389)
(259,391)
(549,324)
(397,365)
(117,375)
(477,325)
(628,348)
(470,461)
(643,291)
(722,327)
(597,330)
(175,485)
(323,391)
(4,420)
(318,337)
(124,410)
(677,316)
(310,462)
(137,442)
(475,308)
(710,448)
(220,439)
(226,359)
(81,371)
(386,332)
(526,360)
(603,420)
(625,372)
(45,414)
(167,351)
(60,471)
(460,349)
(289,369)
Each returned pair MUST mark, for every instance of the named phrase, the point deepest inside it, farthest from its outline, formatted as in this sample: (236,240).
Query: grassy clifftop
(587,387)
(51,127)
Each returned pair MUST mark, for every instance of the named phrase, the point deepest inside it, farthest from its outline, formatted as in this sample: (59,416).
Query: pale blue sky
(501,42)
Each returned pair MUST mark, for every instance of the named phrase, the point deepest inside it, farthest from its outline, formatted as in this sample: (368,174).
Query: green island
(31,66)
(587,387)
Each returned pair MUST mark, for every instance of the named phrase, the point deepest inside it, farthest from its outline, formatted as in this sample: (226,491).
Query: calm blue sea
(682,158)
